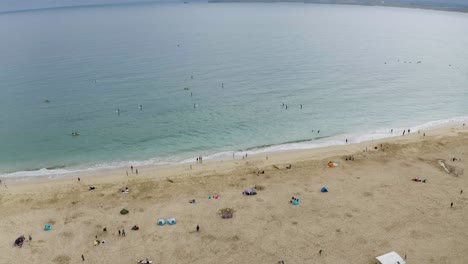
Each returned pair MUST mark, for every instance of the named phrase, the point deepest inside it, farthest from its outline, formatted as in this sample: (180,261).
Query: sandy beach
(372,207)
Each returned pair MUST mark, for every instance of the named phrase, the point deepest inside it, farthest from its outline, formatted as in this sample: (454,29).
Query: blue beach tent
(324,189)
(47,228)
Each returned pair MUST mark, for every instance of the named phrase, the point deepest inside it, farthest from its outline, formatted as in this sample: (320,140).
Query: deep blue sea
(158,83)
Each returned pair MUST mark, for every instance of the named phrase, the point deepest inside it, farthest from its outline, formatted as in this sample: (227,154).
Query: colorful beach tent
(391,258)
(171,221)
(324,189)
(47,228)
(161,221)
(295,202)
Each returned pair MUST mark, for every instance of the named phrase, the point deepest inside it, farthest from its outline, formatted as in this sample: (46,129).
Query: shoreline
(321,142)
(189,168)
(462,10)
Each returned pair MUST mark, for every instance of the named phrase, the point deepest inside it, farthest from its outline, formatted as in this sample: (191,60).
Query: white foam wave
(324,142)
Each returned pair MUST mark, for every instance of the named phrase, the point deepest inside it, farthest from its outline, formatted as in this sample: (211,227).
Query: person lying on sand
(418,180)
(135,227)
(90,188)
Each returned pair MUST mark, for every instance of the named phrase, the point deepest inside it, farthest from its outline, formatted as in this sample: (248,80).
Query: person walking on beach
(198,228)
(320,252)
(451,205)
(409,130)
(119,232)
(123,232)
(404,131)
(82,257)
(136,171)
(131,168)
(346,141)
(78,180)
(391,131)
(461,192)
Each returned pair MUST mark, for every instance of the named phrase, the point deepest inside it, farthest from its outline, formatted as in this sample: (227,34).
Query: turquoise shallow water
(354,69)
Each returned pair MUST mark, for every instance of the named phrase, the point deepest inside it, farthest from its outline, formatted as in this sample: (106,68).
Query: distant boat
(186,2)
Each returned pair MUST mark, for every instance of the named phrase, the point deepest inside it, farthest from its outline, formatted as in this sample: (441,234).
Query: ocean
(164,83)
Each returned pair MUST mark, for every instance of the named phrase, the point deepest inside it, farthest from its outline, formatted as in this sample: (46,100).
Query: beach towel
(226,216)
(295,202)
(47,228)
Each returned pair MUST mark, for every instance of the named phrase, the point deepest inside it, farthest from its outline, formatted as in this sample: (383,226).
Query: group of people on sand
(200,159)
(294,200)
(349,158)
(131,169)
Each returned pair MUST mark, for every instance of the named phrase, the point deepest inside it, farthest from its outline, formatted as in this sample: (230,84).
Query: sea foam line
(311,144)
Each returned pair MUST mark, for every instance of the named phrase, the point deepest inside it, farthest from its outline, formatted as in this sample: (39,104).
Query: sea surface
(164,83)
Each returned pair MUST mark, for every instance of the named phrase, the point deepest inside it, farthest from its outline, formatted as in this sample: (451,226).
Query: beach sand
(372,207)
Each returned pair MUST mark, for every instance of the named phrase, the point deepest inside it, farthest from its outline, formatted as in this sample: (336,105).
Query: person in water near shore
(131,168)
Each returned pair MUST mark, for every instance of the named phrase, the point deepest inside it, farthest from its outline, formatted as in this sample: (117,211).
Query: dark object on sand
(19,241)
(227,213)
(124,211)
(249,192)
